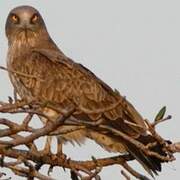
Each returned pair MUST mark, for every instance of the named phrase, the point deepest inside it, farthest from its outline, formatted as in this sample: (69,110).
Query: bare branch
(91,168)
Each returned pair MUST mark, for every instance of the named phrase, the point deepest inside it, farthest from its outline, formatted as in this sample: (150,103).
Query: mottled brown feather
(65,83)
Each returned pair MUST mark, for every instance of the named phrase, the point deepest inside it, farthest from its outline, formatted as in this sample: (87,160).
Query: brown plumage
(66,83)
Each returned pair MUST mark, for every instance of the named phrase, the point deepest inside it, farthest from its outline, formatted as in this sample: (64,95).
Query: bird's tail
(150,163)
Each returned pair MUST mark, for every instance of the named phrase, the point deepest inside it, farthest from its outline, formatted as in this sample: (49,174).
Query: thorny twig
(8,148)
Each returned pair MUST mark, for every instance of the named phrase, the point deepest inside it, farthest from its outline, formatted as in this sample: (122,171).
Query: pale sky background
(133,45)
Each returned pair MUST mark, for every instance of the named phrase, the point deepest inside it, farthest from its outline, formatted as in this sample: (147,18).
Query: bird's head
(24,21)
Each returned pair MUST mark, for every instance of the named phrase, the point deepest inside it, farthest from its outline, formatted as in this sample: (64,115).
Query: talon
(45,152)
(62,156)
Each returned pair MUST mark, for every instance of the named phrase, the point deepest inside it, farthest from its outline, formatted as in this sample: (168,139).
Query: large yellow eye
(14,18)
(34,18)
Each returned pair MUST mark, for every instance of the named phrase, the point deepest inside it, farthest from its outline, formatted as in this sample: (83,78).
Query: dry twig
(91,168)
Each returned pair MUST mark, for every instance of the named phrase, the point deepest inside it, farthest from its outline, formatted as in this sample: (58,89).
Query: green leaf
(94,159)
(160,114)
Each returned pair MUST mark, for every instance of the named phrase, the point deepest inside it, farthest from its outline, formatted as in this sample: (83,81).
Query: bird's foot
(47,150)
(62,156)
(60,153)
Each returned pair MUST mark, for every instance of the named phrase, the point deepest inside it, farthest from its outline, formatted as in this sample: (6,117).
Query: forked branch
(22,159)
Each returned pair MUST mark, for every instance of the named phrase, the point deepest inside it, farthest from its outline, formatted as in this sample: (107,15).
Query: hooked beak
(25,25)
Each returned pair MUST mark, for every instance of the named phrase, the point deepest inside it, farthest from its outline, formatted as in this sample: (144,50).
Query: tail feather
(151,164)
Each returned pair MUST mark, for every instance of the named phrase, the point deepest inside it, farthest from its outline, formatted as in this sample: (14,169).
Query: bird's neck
(21,44)
(26,40)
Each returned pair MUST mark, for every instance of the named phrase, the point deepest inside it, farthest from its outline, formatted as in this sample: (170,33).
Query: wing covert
(77,84)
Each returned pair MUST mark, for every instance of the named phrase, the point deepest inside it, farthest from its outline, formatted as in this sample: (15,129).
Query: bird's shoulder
(80,75)
(93,96)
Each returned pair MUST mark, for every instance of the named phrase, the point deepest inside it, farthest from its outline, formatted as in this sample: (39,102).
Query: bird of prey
(66,83)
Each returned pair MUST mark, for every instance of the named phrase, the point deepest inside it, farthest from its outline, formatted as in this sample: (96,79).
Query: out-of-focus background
(134,46)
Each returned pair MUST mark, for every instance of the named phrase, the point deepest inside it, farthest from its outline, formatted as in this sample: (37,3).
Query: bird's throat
(23,39)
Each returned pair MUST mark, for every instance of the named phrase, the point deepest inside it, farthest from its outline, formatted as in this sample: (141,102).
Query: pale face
(24,19)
